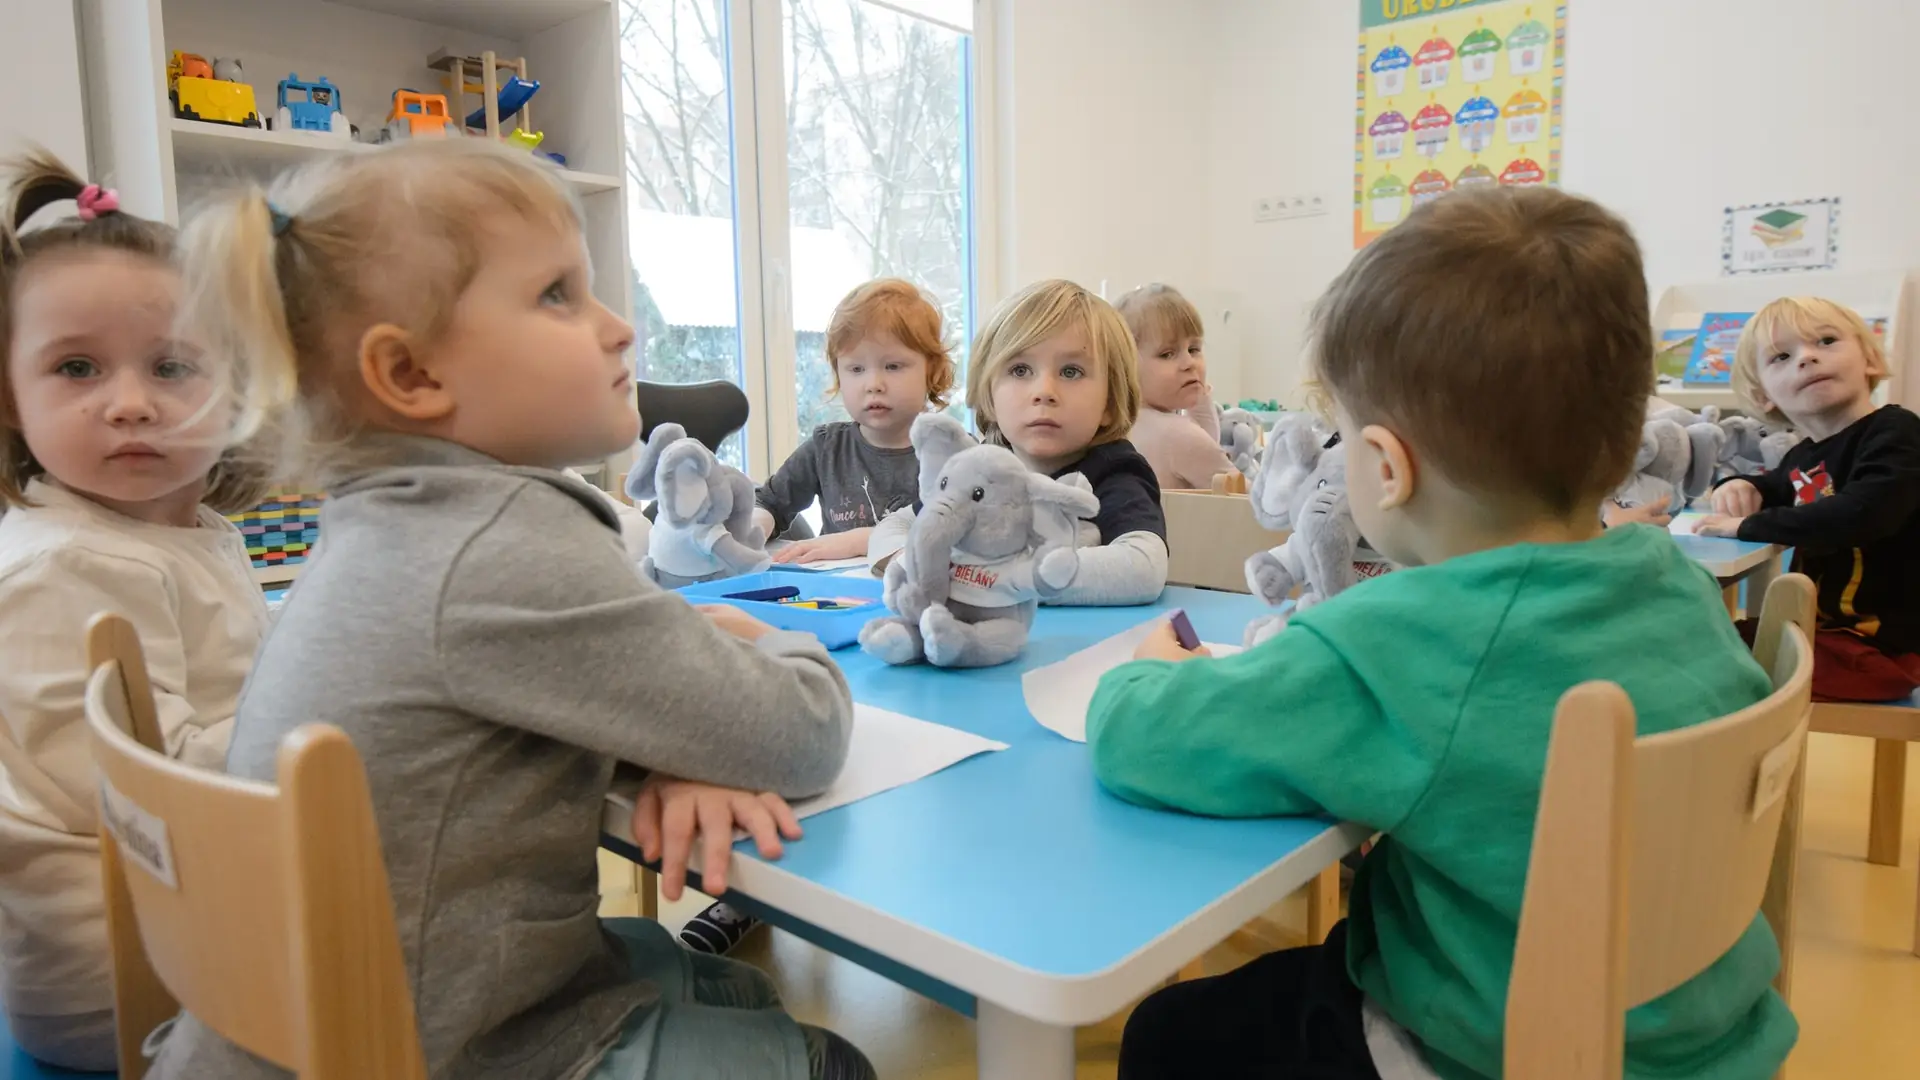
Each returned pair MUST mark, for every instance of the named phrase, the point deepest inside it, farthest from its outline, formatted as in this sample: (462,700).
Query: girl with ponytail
(114,470)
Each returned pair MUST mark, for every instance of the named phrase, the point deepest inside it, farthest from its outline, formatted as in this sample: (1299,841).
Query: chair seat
(15,1064)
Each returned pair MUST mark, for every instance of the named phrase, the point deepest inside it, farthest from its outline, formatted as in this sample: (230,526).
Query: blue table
(1012,886)
(1732,563)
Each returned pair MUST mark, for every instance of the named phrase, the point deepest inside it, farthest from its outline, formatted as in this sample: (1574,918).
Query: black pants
(1291,1015)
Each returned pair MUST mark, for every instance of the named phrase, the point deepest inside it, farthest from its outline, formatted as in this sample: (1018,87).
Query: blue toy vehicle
(310,106)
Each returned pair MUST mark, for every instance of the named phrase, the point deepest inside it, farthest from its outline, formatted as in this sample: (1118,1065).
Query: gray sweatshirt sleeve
(1131,570)
(545,627)
(793,487)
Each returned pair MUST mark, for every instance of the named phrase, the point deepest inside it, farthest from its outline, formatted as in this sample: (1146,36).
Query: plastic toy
(310,106)
(197,95)
(500,101)
(418,116)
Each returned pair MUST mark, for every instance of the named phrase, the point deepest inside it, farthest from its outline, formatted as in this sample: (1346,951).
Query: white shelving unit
(367,48)
(1890,294)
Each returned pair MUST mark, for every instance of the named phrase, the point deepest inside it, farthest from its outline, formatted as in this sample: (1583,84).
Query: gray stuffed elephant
(1674,466)
(1240,438)
(991,540)
(1303,487)
(704,530)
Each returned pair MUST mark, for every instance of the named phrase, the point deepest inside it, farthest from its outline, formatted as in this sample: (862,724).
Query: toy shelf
(1893,295)
(203,148)
(366,49)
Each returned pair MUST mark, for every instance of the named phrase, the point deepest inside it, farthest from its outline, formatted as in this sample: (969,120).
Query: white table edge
(1054,1000)
(1732,569)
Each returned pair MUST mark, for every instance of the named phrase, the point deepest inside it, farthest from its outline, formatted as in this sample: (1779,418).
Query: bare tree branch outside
(875,136)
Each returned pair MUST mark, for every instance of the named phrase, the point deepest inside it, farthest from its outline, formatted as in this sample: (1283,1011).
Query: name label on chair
(141,836)
(1775,774)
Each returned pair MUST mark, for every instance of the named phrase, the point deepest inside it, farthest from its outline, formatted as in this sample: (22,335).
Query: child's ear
(1394,462)
(394,371)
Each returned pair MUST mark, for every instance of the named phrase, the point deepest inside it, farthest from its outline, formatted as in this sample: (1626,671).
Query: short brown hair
(1035,314)
(1159,313)
(1802,317)
(39,180)
(1505,334)
(893,307)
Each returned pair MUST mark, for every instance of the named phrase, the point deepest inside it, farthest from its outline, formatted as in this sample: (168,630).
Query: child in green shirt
(1486,363)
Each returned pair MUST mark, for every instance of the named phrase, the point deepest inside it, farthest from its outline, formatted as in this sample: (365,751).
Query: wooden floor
(1856,987)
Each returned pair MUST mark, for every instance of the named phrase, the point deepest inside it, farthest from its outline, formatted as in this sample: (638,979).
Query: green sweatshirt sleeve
(1288,727)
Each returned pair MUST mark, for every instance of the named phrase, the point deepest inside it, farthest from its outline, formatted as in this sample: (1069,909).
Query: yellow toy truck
(197,95)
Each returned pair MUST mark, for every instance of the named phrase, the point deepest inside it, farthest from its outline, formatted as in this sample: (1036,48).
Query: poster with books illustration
(1467,88)
(1769,238)
(1712,361)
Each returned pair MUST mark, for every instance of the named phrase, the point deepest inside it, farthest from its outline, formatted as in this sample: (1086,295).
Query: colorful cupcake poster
(1476,120)
(1431,127)
(1428,186)
(1390,71)
(1522,173)
(1490,75)
(1473,176)
(1433,63)
(1526,114)
(1387,200)
(1389,134)
(1479,54)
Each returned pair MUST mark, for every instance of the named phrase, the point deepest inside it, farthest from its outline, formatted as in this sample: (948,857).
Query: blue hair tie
(282,221)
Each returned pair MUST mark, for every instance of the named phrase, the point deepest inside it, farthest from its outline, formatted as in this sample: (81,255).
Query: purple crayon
(1183,631)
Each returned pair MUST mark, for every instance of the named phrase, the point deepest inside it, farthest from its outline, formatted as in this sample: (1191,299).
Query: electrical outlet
(1265,209)
(1288,207)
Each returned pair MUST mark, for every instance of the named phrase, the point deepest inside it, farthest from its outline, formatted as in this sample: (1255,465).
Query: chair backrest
(262,909)
(1651,856)
(709,411)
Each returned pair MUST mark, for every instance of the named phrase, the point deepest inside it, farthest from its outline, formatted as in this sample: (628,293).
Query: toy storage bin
(836,629)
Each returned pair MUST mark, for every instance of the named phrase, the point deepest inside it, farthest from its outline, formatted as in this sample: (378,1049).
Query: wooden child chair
(1651,856)
(263,909)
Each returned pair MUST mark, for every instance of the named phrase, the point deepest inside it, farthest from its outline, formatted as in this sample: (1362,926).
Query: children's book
(1675,348)
(1712,361)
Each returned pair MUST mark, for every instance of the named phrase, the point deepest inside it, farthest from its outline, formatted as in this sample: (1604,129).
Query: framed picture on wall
(1774,238)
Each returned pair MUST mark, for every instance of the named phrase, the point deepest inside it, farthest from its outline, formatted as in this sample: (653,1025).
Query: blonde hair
(1801,317)
(284,281)
(1159,313)
(1037,313)
(38,180)
(893,307)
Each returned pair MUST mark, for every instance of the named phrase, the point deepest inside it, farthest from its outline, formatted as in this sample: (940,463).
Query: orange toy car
(415,116)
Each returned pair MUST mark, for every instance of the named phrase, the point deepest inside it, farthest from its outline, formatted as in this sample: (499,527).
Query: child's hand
(1616,515)
(1163,644)
(1736,498)
(1718,525)
(734,621)
(669,811)
(840,545)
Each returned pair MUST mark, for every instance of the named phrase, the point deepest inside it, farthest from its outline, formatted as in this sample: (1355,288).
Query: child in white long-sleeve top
(473,624)
(111,483)
(1053,379)
(1178,431)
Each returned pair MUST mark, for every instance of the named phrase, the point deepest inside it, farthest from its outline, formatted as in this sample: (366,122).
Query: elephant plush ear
(642,484)
(936,437)
(1058,505)
(685,467)
(1707,441)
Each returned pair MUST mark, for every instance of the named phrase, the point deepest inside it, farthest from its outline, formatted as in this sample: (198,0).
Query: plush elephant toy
(1674,466)
(1240,438)
(992,539)
(1752,446)
(1303,487)
(704,530)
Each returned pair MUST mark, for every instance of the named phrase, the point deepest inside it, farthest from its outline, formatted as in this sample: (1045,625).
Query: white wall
(1102,107)
(1673,112)
(43,67)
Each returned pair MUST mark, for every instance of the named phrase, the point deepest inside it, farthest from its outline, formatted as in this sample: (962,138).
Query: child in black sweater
(1847,499)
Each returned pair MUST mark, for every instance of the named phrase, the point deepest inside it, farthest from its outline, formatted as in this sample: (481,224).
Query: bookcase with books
(1695,327)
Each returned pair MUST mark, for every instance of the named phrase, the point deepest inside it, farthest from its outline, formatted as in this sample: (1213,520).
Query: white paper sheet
(1059,693)
(888,751)
(858,562)
(1683,523)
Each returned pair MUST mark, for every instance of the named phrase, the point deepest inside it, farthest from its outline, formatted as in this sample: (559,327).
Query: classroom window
(780,152)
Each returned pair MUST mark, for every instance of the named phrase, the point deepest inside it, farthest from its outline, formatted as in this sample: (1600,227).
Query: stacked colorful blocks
(280,531)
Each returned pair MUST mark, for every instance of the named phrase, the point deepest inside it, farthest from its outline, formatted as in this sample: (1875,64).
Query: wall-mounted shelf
(218,149)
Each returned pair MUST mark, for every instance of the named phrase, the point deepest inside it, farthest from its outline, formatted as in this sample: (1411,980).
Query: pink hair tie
(95,200)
